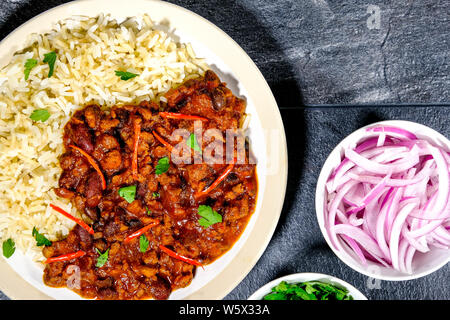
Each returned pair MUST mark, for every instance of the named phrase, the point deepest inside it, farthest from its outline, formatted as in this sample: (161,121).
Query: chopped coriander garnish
(143,243)
(102,258)
(41,240)
(50,59)
(162,166)
(156,195)
(125,75)
(311,290)
(128,193)
(40,115)
(193,143)
(30,64)
(8,248)
(148,211)
(208,216)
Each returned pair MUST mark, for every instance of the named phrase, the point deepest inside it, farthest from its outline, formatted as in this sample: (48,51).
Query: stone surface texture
(333,67)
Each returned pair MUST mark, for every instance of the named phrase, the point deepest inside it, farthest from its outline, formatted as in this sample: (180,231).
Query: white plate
(266,134)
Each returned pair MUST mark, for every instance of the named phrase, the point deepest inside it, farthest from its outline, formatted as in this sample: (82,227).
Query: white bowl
(302,277)
(423,263)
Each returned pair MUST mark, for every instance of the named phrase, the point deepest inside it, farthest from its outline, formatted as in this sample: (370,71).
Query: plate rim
(13,284)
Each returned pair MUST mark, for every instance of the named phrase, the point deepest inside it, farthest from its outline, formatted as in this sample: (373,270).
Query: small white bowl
(423,263)
(302,277)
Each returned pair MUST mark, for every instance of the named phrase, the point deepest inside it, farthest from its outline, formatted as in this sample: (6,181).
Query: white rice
(89,51)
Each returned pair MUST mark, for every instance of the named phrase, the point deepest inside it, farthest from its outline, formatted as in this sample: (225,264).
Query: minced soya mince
(89,51)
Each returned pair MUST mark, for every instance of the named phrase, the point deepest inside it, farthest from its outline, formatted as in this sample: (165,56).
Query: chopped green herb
(102,258)
(193,143)
(41,240)
(30,64)
(162,166)
(312,290)
(125,75)
(40,115)
(149,212)
(275,296)
(156,195)
(128,193)
(208,216)
(50,59)
(143,243)
(8,248)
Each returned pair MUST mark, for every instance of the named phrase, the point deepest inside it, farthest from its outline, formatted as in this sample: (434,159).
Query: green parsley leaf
(275,296)
(303,295)
(41,240)
(156,195)
(8,248)
(311,290)
(143,243)
(162,166)
(102,258)
(128,193)
(149,212)
(30,64)
(193,143)
(209,216)
(50,59)
(125,75)
(40,115)
(281,287)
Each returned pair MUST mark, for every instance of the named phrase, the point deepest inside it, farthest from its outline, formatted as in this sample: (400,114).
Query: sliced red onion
(419,244)
(342,217)
(371,214)
(408,259)
(393,212)
(352,243)
(442,196)
(378,168)
(389,198)
(402,248)
(361,147)
(390,182)
(355,221)
(373,195)
(397,131)
(440,245)
(380,154)
(367,242)
(381,139)
(381,223)
(333,209)
(396,230)
(349,203)
(442,232)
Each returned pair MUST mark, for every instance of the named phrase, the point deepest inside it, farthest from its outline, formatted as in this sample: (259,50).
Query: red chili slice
(140,232)
(66,257)
(213,185)
(163,142)
(137,133)
(92,162)
(71,217)
(175,255)
(180,116)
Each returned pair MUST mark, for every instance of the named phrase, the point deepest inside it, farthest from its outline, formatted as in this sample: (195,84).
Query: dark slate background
(332,69)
